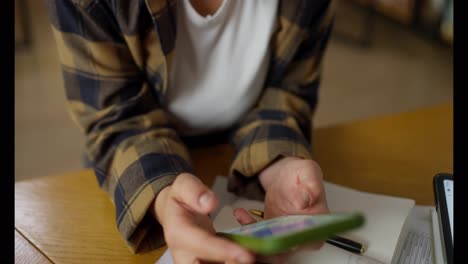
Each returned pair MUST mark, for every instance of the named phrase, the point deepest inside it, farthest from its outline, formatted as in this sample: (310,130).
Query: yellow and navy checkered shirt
(116,56)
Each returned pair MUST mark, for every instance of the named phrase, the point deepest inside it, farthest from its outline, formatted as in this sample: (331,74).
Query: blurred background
(384,57)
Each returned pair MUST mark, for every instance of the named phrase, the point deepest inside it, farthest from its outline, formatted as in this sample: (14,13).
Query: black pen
(341,242)
(346,244)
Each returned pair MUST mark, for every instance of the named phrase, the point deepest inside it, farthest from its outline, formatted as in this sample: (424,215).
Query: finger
(208,246)
(310,194)
(309,191)
(318,206)
(243,217)
(305,199)
(191,191)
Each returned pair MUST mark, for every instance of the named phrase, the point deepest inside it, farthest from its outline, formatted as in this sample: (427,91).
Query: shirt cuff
(134,194)
(260,148)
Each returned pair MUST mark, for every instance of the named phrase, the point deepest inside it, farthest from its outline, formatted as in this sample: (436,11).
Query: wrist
(269,174)
(159,204)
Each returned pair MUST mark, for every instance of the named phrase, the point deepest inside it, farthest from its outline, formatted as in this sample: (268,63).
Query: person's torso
(148,30)
(220,63)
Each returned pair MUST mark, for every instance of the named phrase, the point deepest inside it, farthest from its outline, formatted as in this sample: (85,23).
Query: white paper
(417,246)
(385,217)
(329,254)
(437,241)
(166,258)
(224,197)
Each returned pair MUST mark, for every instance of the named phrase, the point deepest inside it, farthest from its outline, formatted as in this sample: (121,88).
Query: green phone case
(283,243)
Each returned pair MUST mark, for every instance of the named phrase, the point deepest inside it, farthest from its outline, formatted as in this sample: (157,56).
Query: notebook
(395,230)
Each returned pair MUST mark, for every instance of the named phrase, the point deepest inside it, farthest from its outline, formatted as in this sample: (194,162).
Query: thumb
(190,191)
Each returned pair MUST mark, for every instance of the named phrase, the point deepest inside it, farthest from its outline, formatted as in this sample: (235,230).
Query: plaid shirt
(115,58)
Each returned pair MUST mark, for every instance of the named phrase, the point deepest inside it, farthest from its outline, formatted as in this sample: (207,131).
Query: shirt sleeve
(133,149)
(280,124)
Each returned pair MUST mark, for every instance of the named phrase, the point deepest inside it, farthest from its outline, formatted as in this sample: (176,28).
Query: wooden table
(68,219)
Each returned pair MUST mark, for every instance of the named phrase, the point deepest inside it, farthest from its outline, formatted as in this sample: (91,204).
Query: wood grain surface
(26,253)
(395,155)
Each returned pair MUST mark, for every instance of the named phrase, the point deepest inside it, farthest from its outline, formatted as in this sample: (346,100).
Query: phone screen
(448,189)
(283,225)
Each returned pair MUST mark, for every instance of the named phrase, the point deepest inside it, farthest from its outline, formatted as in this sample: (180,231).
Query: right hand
(182,209)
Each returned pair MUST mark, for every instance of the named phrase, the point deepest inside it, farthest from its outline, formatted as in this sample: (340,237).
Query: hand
(182,209)
(293,186)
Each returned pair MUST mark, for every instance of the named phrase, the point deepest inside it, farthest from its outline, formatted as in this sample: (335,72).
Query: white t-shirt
(220,63)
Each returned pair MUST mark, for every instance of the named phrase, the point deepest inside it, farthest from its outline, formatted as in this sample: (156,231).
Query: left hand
(293,186)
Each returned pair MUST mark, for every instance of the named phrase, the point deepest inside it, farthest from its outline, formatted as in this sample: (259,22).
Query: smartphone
(443,195)
(281,234)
